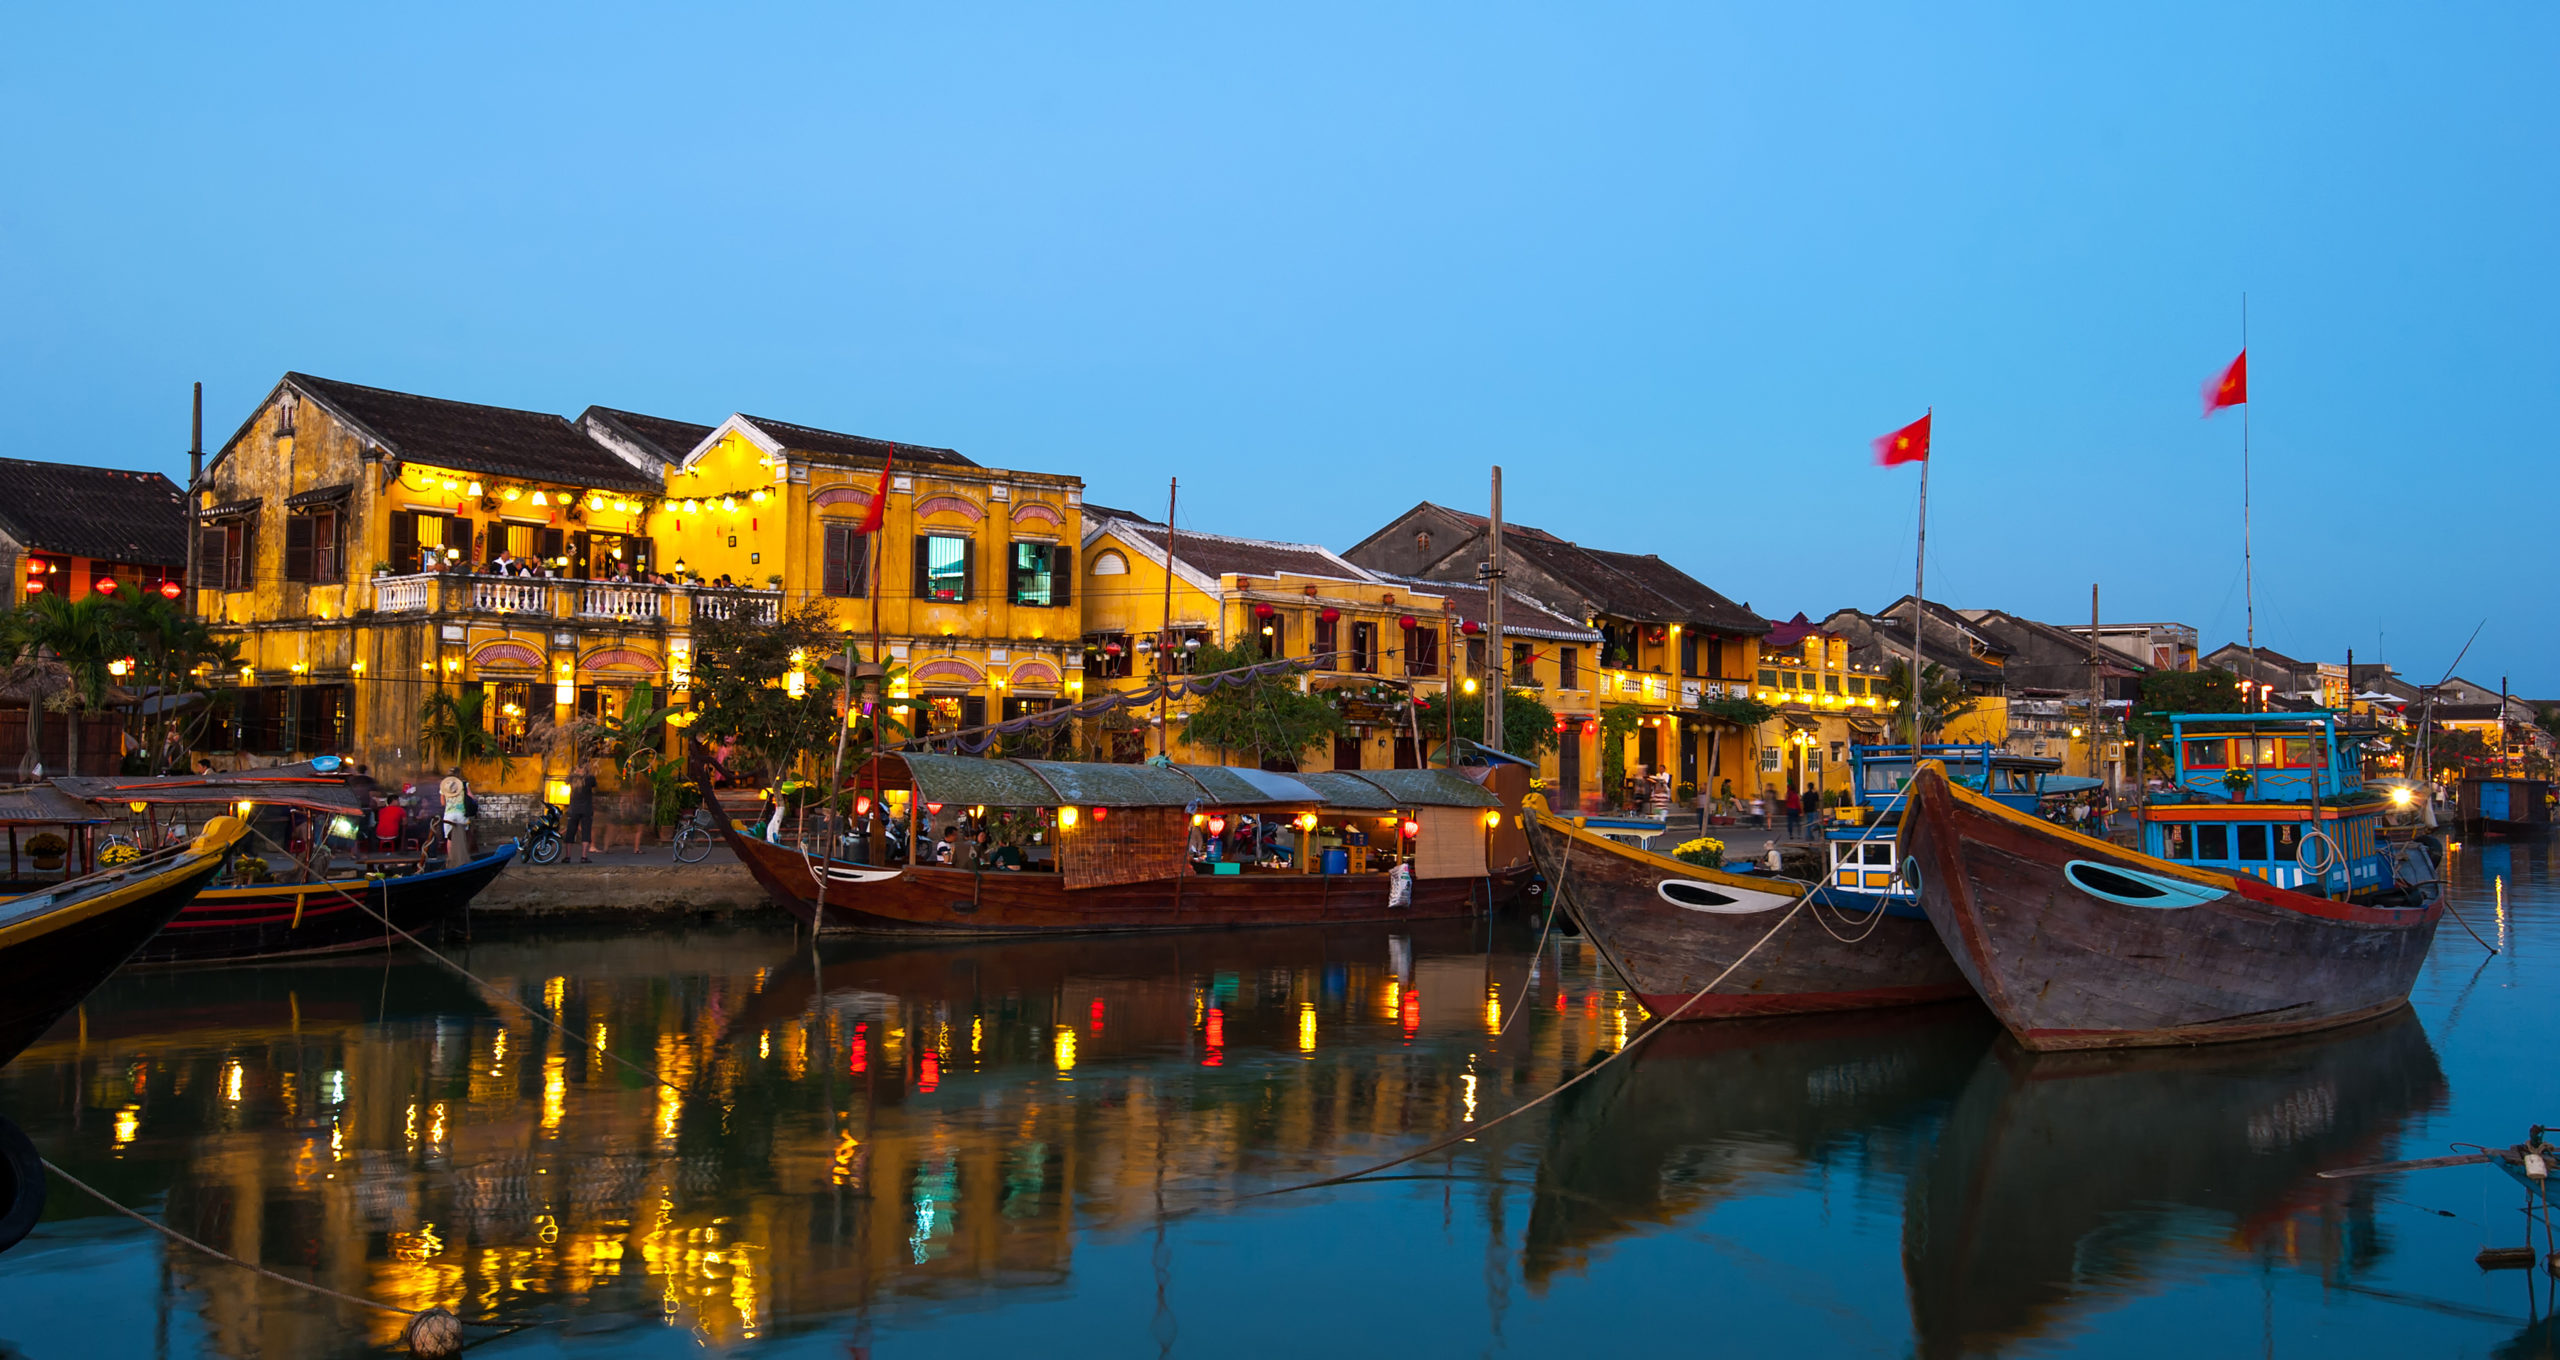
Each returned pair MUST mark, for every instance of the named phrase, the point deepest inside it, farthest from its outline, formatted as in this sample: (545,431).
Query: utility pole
(1497,661)
(2096,742)
(195,504)
(1164,640)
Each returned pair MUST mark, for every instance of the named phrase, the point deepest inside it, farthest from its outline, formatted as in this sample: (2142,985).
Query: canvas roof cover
(44,805)
(1237,786)
(1430,788)
(1079,782)
(295,787)
(972,782)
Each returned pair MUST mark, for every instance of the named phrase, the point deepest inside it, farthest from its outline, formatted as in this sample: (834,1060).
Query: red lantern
(1111,649)
(1217,826)
(933,807)
(1100,813)
(1559,724)
(1412,828)
(862,805)
(1262,611)
(35,587)
(1405,623)
(105,585)
(1329,615)
(170,590)
(1589,727)
(1473,628)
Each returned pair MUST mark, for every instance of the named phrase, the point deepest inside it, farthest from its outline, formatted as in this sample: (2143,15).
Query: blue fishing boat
(1862,863)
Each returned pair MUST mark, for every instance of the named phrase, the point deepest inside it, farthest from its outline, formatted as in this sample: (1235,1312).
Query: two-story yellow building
(371,548)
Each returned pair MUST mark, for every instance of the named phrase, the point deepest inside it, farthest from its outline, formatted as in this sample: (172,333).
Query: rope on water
(1473,1130)
(2466,925)
(429,1331)
(1555,900)
(587,1041)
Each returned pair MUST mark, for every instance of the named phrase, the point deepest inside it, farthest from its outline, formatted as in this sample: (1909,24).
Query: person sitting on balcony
(504,564)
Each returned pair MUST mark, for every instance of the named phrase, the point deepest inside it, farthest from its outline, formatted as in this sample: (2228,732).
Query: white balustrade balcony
(644,604)
(762,606)
(509,595)
(405,594)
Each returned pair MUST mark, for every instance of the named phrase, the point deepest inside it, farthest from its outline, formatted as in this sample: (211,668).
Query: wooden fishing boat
(1670,928)
(2503,805)
(320,911)
(1146,847)
(2061,1185)
(2270,903)
(1860,844)
(57,945)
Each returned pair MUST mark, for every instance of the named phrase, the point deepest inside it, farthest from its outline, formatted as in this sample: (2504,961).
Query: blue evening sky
(1671,266)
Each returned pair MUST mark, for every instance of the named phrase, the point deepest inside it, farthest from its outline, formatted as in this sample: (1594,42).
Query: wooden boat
(2061,1185)
(2503,805)
(2270,903)
(1670,928)
(324,912)
(57,945)
(1146,847)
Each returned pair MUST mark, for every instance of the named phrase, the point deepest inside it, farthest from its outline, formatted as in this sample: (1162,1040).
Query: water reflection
(2062,1182)
(1706,1112)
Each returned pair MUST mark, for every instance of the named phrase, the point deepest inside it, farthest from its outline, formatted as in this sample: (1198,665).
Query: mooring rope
(1555,902)
(1876,918)
(1473,1131)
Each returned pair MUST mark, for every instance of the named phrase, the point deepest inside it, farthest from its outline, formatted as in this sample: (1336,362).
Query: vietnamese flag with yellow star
(1910,444)
(2232,389)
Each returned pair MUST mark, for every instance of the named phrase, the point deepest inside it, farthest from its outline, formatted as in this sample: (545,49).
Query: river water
(1059,1148)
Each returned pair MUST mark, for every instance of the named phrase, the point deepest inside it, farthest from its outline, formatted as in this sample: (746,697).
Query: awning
(45,805)
(1387,790)
(320,495)
(284,786)
(234,509)
(1803,722)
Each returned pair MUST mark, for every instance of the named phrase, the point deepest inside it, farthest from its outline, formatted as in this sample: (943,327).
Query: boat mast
(1497,662)
(1164,639)
(2094,709)
(2248,559)
(1919,607)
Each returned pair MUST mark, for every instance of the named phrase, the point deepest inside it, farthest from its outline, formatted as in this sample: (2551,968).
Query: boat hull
(2217,958)
(273,921)
(1669,952)
(932,900)
(50,959)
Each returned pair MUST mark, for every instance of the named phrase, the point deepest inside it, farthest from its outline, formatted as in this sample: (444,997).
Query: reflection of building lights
(848,1148)
(128,1126)
(1097,1017)
(1215,1035)
(555,1090)
(860,1050)
(977,1034)
(1065,1054)
(1307,1027)
(1412,1016)
(928,1071)
(232,1081)
(1493,1008)
(1467,1092)
(435,1125)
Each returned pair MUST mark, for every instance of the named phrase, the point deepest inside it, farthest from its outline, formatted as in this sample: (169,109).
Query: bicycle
(694,838)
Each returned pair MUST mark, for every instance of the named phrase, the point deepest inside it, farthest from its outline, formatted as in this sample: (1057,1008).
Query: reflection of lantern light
(928,1070)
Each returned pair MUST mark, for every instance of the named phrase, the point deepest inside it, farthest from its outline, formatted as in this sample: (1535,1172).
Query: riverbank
(620,887)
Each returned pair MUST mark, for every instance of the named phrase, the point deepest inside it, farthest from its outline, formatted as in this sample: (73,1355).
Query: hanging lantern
(934,808)
(692,507)
(170,590)
(1329,615)
(1306,821)
(1262,611)
(862,805)
(1111,649)
(104,585)
(540,500)
(1405,623)
(1066,817)
(1411,828)
(1217,826)
(1473,628)
(1101,812)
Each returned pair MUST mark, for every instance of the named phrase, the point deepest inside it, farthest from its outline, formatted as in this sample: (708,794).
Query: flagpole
(2248,557)
(1919,582)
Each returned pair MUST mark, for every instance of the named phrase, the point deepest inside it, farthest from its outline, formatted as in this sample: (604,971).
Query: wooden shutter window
(924,568)
(404,542)
(297,548)
(969,569)
(836,577)
(1062,576)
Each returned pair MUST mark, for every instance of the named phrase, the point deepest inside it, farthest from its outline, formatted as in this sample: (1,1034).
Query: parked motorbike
(542,836)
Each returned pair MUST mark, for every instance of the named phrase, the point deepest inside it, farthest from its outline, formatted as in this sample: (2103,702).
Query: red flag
(2233,387)
(879,499)
(1910,444)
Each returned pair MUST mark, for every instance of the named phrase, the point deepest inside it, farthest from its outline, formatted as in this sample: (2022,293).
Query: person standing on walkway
(457,818)
(580,823)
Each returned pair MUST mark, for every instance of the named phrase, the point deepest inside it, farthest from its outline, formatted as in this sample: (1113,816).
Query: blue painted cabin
(1861,844)
(2273,795)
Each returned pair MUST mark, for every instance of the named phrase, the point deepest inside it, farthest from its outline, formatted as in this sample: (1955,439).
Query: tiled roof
(810,439)
(105,513)
(496,441)
(1791,633)
(1220,555)
(1631,586)
(667,440)
(1520,614)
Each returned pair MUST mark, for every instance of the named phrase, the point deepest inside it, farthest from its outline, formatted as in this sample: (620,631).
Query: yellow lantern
(1066,818)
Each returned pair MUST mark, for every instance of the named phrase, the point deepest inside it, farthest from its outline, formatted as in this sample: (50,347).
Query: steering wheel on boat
(2328,853)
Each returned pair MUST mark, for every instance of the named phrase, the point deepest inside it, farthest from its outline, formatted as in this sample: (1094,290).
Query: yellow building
(369,548)
(1825,702)
(1379,644)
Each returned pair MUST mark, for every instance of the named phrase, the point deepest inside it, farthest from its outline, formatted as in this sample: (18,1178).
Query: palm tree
(622,739)
(172,655)
(452,723)
(83,637)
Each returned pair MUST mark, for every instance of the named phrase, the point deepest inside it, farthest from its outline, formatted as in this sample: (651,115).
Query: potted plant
(381,568)
(1706,852)
(773,580)
(48,849)
(2238,779)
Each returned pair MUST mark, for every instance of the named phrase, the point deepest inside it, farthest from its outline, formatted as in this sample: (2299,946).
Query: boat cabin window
(1880,853)
(2206,755)
(2253,842)
(2174,843)
(1885,778)
(2017,781)
(2302,753)
(2213,842)
(2288,840)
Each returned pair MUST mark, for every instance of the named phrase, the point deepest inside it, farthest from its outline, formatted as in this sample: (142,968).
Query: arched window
(1109,563)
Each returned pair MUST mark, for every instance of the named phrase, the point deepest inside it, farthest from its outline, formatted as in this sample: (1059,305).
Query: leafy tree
(1942,697)
(2166,692)
(1528,725)
(173,656)
(1616,722)
(739,692)
(1266,718)
(629,741)
(1742,713)
(456,724)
